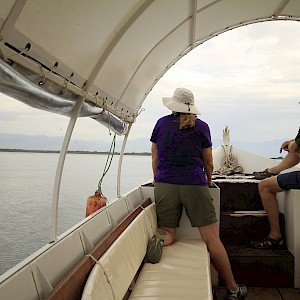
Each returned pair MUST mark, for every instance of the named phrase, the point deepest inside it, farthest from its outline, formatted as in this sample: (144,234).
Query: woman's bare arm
(154,154)
(208,164)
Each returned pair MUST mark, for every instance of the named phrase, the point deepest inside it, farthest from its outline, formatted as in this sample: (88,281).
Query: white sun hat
(181,101)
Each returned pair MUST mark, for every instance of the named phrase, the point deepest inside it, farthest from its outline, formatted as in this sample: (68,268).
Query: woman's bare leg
(218,254)
(170,235)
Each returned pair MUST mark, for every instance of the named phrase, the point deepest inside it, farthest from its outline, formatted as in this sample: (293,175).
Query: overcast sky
(248,79)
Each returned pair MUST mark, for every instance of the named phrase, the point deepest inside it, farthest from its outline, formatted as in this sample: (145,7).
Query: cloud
(247,78)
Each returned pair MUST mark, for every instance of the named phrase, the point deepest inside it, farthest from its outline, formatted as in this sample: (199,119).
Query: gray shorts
(289,180)
(196,199)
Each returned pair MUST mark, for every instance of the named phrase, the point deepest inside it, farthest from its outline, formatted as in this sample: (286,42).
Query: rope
(230,163)
(108,161)
(22,51)
(94,259)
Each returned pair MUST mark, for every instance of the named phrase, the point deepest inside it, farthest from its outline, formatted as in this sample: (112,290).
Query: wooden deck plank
(262,293)
(254,293)
(289,294)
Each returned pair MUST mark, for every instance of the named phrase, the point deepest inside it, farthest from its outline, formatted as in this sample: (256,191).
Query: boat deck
(263,293)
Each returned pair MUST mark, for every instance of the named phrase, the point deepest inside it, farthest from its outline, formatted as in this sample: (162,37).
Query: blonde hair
(187,120)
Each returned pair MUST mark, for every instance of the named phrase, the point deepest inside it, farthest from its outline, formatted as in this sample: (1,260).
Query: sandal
(240,293)
(268,243)
(263,174)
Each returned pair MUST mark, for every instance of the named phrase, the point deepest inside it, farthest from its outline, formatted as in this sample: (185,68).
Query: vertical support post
(121,160)
(60,166)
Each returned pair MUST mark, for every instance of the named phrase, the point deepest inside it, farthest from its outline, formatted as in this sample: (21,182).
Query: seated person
(273,183)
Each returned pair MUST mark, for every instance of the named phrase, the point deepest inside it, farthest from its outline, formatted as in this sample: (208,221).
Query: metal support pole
(60,166)
(121,160)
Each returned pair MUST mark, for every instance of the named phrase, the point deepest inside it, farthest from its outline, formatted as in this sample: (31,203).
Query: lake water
(26,190)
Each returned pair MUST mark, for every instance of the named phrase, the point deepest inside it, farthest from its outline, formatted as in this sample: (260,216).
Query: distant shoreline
(87,152)
(74,152)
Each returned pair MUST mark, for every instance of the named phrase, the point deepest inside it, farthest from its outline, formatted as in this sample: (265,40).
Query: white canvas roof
(116,50)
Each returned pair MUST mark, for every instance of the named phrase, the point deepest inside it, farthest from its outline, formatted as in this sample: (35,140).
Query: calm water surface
(26,189)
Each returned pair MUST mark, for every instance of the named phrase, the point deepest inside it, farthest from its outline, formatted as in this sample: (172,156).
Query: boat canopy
(111,52)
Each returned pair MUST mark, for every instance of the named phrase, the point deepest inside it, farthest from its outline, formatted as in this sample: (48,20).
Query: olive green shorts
(196,199)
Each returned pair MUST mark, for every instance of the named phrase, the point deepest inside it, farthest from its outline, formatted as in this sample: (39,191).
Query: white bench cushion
(115,270)
(182,273)
(97,285)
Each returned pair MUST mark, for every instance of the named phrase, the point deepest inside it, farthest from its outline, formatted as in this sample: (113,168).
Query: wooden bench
(183,272)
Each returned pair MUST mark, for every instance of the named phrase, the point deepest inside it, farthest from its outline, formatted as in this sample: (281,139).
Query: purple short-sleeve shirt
(180,151)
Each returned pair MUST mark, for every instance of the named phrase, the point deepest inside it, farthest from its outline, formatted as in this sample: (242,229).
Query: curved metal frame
(60,166)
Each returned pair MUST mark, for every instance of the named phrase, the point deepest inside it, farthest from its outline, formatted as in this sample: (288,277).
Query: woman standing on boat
(182,166)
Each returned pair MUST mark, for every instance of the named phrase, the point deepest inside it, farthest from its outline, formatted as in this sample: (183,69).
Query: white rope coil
(229,163)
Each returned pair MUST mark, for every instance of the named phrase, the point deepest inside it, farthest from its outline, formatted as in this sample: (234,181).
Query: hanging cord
(22,51)
(108,161)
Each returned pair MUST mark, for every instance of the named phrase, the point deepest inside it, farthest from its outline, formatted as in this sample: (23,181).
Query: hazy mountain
(265,148)
(42,142)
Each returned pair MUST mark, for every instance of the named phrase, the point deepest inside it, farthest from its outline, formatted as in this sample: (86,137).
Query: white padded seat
(182,273)
(115,270)
(97,283)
